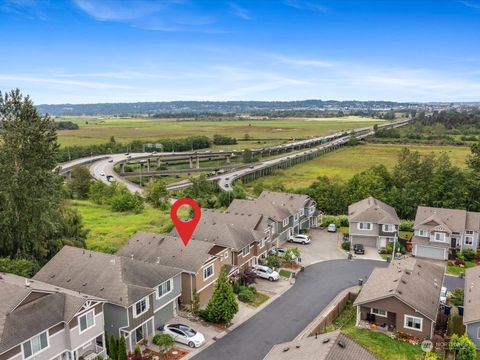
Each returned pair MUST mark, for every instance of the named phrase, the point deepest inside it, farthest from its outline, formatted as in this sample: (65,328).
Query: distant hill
(193,108)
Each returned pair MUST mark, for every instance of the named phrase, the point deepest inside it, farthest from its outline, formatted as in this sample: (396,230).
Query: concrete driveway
(324,246)
(371,253)
(289,314)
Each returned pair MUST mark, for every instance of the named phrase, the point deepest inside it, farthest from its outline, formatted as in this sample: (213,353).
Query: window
(246,250)
(141,307)
(469,232)
(273,229)
(302,211)
(87,320)
(35,345)
(208,272)
(164,288)
(423,233)
(468,240)
(440,237)
(478,333)
(412,322)
(285,222)
(225,255)
(364,226)
(295,217)
(379,312)
(388,228)
(262,242)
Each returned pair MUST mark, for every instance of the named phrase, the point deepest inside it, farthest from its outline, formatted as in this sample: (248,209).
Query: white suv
(265,272)
(300,238)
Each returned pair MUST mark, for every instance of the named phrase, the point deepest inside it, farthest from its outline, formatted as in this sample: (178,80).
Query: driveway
(288,315)
(452,282)
(324,246)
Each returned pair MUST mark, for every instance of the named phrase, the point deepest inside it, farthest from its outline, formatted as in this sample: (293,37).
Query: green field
(99,130)
(108,230)
(348,161)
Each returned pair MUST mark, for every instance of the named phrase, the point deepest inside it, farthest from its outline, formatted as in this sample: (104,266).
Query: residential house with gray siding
(140,296)
(440,232)
(43,322)
(372,223)
(471,314)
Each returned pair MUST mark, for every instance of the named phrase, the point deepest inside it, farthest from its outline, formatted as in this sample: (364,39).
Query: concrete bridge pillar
(148,165)
(69,175)
(191,162)
(122,168)
(159,162)
(198,162)
(227,158)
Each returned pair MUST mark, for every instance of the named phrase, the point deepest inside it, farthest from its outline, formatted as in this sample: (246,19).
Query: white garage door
(430,252)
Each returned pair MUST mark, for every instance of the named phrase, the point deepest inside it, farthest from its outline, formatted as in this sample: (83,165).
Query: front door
(453,244)
(139,334)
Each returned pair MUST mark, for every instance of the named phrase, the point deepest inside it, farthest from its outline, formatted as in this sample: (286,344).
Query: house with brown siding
(42,322)
(200,261)
(404,297)
(140,296)
(372,223)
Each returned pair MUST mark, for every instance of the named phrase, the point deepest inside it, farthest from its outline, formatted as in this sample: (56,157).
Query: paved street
(451,282)
(287,316)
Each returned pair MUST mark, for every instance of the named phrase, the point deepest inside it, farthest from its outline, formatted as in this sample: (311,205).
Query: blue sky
(86,51)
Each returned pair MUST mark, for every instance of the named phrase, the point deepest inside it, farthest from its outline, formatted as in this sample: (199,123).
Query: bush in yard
(463,347)
(236,287)
(137,350)
(252,289)
(406,225)
(469,254)
(346,245)
(164,342)
(459,262)
(246,295)
(222,306)
(457,296)
(273,261)
(122,349)
(247,277)
(398,248)
(195,302)
(455,325)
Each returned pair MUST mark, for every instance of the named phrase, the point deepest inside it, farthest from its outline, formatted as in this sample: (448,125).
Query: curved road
(288,315)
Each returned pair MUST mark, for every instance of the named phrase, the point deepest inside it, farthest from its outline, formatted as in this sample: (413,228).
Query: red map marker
(185,228)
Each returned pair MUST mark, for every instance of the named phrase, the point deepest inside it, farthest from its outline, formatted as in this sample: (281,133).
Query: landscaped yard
(109,230)
(259,299)
(457,269)
(285,273)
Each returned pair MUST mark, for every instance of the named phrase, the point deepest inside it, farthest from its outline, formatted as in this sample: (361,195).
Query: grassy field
(348,161)
(99,130)
(108,230)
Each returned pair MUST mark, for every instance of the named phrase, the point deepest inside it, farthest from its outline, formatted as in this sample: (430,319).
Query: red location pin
(185,228)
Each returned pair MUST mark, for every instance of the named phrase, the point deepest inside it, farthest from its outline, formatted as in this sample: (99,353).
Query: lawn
(348,161)
(285,273)
(456,269)
(108,230)
(261,132)
(259,299)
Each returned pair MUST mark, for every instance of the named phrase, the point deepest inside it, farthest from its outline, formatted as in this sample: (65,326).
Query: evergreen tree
(223,306)
(30,192)
(122,349)
(113,354)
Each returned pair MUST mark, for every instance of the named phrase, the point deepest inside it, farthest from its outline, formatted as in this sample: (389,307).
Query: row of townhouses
(79,295)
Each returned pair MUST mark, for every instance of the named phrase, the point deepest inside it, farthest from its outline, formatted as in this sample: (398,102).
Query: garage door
(365,240)
(430,252)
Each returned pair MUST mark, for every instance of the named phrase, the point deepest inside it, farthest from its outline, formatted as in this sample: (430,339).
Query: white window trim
(440,241)
(370,226)
(285,222)
(385,228)
(302,211)
(168,292)
(79,323)
(147,307)
(468,237)
(38,352)
(469,232)
(248,251)
(478,333)
(413,317)
(377,314)
(225,255)
(208,267)
(423,233)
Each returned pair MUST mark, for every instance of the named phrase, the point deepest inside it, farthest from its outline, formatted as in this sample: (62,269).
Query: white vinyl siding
(35,345)
(141,307)
(87,321)
(208,272)
(413,323)
(364,226)
(379,312)
(164,288)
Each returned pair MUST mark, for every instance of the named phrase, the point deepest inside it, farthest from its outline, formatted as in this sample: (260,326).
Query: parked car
(281,252)
(265,272)
(443,295)
(300,238)
(183,334)
(110,161)
(332,228)
(358,249)
(102,173)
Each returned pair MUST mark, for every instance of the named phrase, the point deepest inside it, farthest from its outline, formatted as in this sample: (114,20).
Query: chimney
(27,282)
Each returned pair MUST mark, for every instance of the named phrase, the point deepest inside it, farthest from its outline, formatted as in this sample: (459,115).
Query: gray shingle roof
(453,220)
(414,281)
(119,280)
(324,347)
(374,211)
(20,321)
(167,250)
(472,295)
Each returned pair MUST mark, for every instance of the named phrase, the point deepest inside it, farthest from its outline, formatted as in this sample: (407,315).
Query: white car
(332,228)
(300,238)
(102,174)
(443,295)
(184,334)
(265,272)
(281,252)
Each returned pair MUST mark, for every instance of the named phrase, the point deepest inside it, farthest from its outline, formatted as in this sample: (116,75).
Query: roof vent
(131,256)
(341,344)
(286,349)
(403,281)
(158,259)
(325,340)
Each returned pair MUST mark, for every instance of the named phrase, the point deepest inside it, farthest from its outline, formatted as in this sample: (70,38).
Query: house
(372,223)
(471,314)
(440,232)
(200,261)
(139,296)
(283,214)
(42,322)
(235,231)
(404,297)
(330,346)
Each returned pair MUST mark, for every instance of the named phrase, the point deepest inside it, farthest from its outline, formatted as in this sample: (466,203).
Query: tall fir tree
(122,349)
(113,354)
(223,305)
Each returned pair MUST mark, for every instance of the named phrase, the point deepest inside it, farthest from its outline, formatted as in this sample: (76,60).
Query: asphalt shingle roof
(449,220)
(374,211)
(472,295)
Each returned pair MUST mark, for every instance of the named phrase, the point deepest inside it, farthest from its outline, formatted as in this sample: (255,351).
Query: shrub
(222,306)
(163,341)
(406,225)
(124,201)
(236,287)
(247,277)
(398,248)
(252,289)
(195,302)
(339,221)
(459,262)
(137,350)
(273,261)
(21,267)
(469,254)
(346,245)
(456,297)
(455,325)
(246,295)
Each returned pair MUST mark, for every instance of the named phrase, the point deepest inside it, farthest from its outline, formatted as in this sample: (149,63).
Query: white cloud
(240,12)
